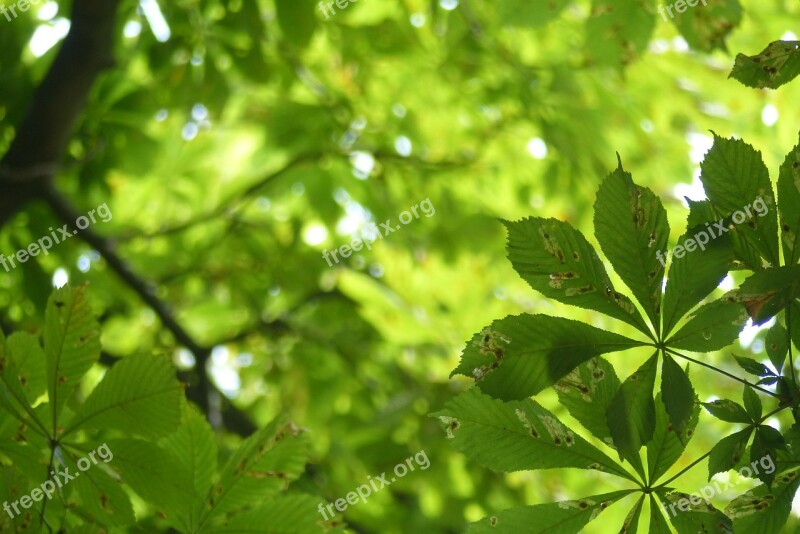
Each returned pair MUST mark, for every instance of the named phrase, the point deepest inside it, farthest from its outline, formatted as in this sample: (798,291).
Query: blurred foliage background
(235,140)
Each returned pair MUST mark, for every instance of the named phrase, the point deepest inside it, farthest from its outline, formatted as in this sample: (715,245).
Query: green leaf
(727,410)
(752,403)
(103,499)
(631,415)
(586,393)
(712,327)
(789,205)
(658,525)
(631,224)
(156,475)
(286,514)
(707,25)
(667,444)
(766,443)
(695,515)
(564,517)
(776,344)
(631,524)
(677,392)
(519,356)
(194,448)
(777,64)
(770,380)
(694,275)
(751,366)
(517,435)
(736,180)
(71,343)
(558,261)
(138,395)
(703,216)
(793,323)
(297,20)
(767,292)
(763,510)
(25,457)
(263,465)
(13,396)
(29,360)
(616,32)
(727,453)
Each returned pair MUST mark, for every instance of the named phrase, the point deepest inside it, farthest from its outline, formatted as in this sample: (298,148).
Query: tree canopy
(258,255)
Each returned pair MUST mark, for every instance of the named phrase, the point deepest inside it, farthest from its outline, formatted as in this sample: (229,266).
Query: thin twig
(732,377)
(753,425)
(203,392)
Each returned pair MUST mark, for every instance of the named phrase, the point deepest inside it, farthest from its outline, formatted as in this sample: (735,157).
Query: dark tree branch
(42,137)
(33,158)
(201,390)
(230,208)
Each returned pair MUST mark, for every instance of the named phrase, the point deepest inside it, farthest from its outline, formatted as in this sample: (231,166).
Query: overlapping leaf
(712,327)
(286,514)
(776,344)
(194,450)
(264,464)
(631,524)
(677,393)
(138,395)
(658,525)
(631,416)
(768,292)
(763,510)
(103,499)
(71,343)
(519,356)
(565,517)
(688,513)
(13,396)
(668,444)
(586,393)
(693,276)
(155,474)
(631,226)
(789,205)
(558,261)
(728,452)
(736,180)
(517,435)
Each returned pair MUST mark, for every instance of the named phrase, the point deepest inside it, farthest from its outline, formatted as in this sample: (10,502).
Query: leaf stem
(682,471)
(733,377)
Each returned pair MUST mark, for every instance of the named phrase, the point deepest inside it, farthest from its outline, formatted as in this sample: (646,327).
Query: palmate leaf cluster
(163,449)
(497,424)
